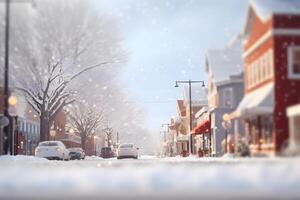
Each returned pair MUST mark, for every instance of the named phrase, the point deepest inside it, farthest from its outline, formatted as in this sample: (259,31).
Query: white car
(52,150)
(127,151)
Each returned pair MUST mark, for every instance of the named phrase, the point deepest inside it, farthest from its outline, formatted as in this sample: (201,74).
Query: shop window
(267,130)
(294,62)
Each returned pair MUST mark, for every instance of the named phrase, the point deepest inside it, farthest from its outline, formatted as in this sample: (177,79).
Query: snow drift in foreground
(149,177)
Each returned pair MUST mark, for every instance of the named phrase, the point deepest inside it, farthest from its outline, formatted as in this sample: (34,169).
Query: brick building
(272,72)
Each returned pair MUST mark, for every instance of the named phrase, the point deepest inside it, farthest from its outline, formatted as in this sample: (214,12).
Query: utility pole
(191,111)
(7,129)
(7,135)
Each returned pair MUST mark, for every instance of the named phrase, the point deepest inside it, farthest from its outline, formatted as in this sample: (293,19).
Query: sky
(166,41)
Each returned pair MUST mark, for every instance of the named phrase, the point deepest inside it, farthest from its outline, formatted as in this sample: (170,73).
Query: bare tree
(55,44)
(84,120)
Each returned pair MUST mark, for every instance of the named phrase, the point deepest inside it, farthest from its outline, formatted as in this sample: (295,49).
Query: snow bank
(22,158)
(176,178)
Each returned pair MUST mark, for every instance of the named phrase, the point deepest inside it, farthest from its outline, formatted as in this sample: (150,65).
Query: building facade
(225,91)
(272,65)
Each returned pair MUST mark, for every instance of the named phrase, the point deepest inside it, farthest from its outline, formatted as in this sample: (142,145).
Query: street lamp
(71,131)
(190,107)
(7,129)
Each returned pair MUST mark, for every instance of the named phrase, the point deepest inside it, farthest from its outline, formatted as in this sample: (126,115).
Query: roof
(199,95)
(223,63)
(267,8)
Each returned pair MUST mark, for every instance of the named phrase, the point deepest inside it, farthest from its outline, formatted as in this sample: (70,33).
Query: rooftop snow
(223,63)
(266,8)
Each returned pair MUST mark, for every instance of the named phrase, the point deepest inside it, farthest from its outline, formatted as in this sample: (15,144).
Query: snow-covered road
(150,178)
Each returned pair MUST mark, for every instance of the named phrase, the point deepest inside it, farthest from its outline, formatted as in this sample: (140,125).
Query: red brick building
(272,72)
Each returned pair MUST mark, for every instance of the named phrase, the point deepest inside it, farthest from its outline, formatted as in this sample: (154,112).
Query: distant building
(178,129)
(225,90)
(24,127)
(201,133)
(199,100)
(272,72)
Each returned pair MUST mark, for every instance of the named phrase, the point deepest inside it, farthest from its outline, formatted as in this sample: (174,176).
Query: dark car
(76,153)
(107,152)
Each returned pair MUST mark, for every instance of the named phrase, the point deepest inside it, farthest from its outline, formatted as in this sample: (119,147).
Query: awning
(258,102)
(202,128)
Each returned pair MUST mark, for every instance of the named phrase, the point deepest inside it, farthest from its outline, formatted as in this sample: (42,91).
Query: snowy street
(149,178)
(201,95)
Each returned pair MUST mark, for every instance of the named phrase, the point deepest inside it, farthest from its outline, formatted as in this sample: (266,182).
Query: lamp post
(7,136)
(7,129)
(190,108)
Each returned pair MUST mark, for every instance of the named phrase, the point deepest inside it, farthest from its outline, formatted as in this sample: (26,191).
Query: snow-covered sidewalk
(173,178)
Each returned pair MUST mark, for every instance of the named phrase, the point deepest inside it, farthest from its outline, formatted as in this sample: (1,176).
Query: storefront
(182,145)
(202,140)
(256,110)
(272,80)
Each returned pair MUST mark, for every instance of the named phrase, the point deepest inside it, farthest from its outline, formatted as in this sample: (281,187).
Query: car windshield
(126,146)
(49,144)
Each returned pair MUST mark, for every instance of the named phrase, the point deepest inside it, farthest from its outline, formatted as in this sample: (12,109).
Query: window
(48,144)
(264,66)
(270,64)
(228,97)
(259,70)
(294,62)
(251,80)
(256,72)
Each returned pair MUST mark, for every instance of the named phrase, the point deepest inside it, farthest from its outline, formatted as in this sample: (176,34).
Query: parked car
(76,153)
(127,151)
(107,152)
(52,150)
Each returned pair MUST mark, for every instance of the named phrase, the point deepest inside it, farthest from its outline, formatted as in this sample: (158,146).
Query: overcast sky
(167,41)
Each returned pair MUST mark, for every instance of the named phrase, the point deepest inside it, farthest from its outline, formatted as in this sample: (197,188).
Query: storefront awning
(258,102)
(202,128)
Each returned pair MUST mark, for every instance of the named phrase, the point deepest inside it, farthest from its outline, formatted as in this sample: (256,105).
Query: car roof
(51,141)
